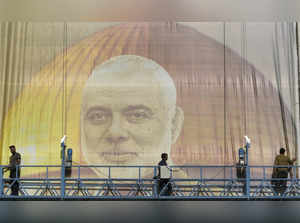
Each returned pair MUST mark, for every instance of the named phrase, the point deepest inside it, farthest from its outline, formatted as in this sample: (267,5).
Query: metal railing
(139,182)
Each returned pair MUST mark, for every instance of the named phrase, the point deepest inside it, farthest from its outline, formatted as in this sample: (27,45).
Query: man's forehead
(139,86)
(119,90)
(125,78)
(131,85)
(122,99)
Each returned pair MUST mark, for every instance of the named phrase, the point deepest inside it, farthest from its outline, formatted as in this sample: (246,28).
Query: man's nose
(116,133)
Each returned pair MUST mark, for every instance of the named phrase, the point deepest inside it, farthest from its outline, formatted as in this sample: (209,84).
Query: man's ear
(177,123)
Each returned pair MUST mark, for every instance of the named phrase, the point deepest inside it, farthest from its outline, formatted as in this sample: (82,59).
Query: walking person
(15,172)
(282,172)
(163,182)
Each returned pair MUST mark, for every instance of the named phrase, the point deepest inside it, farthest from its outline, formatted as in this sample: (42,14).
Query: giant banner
(125,93)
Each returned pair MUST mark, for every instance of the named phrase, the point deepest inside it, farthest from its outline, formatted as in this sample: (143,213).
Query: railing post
(139,174)
(62,183)
(109,173)
(18,181)
(294,172)
(247,171)
(1,181)
(155,194)
(248,181)
(201,173)
(79,180)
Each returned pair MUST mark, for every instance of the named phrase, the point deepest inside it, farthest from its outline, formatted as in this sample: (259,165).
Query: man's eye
(97,117)
(137,116)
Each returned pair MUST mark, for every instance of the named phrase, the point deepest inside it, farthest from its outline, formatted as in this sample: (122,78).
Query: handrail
(152,166)
(247,187)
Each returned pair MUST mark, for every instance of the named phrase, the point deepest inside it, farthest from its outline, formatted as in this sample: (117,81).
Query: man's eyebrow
(97,108)
(134,107)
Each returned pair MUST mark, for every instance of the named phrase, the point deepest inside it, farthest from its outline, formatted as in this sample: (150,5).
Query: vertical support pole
(247,171)
(63,183)
(109,173)
(155,194)
(18,181)
(1,181)
(79,181)
(109,185)
(139,183)
(297,113)
(201,173)
(294,172)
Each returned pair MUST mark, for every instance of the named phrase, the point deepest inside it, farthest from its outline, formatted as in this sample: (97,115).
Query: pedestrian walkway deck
(198,183)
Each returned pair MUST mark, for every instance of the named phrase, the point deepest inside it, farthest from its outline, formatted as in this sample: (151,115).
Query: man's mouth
(119,156)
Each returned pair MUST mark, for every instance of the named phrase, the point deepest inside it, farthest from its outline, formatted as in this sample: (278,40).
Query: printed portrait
(129,92)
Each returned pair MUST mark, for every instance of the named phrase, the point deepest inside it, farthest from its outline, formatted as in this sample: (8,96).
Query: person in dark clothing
(15,172)
(162,182)
(281,172)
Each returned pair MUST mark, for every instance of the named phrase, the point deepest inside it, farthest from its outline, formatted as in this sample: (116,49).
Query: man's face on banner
(127,117)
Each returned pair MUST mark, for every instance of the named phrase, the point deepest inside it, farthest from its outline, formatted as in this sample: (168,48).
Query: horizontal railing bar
(147,179)
(148,166)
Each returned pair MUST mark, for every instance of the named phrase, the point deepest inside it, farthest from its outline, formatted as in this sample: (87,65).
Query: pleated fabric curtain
(232,80)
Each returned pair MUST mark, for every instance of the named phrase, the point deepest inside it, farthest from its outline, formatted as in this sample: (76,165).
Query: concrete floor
(149,211)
